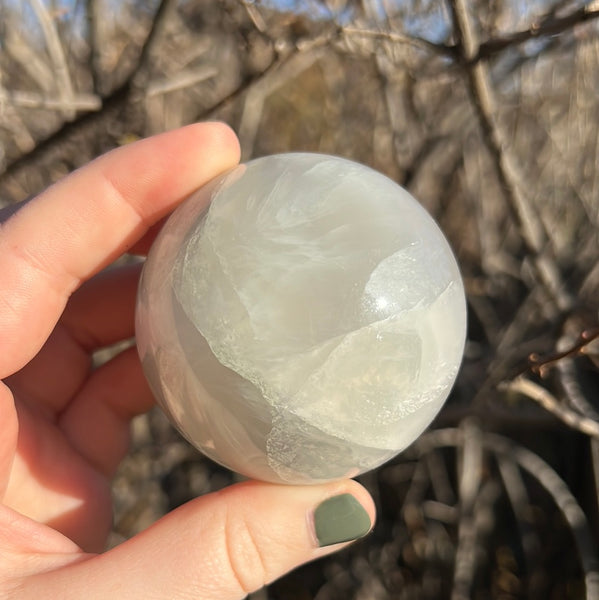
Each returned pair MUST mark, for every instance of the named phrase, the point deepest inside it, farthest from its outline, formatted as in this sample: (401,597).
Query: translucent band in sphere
(301,318)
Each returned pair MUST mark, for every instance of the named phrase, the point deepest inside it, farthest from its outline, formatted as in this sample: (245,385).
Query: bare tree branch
(545,27)
(549,402)
(530,226)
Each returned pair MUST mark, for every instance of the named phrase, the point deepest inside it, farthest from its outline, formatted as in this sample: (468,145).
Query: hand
(65,427)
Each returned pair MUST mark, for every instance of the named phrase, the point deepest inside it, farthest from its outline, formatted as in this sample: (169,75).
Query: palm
(73,423)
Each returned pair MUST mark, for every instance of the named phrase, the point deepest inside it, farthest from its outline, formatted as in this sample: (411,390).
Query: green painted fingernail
(340,519)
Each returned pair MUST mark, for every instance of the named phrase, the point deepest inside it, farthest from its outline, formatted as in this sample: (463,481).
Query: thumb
(224,545)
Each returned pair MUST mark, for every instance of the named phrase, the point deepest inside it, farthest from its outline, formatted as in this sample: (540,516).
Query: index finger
(86,220)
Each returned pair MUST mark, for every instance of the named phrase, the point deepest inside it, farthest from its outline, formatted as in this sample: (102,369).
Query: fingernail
(340,519)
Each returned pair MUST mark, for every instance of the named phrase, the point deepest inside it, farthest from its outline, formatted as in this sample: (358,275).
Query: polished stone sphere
(301,318)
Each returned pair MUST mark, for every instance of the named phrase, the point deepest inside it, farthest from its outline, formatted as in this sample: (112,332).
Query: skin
(65,426)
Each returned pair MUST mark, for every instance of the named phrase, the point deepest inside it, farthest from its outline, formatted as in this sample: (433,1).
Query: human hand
(65,427)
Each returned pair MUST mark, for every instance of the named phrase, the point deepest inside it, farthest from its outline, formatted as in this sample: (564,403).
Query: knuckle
(244,553)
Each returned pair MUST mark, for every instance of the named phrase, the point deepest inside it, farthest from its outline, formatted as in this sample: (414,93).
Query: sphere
(301,318)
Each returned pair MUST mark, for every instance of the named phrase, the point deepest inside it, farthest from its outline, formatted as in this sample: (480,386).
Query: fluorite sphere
(301,318)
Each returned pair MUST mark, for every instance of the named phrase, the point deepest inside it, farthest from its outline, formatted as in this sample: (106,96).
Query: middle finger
(100,313)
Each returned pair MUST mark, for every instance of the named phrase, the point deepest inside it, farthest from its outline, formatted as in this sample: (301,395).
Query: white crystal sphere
(301,318)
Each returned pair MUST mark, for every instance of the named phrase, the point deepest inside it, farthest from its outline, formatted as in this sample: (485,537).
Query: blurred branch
(400,38)
(255,16)
(432,509)
(469,483)
(11,119)
(549,402)
(563,498)
(55,49)
(571,381)
(28,59)
(246,86)
(163,9)
(539,470)
(288,69)
(546,27)
(93,20)
(412,509)
(591,282)
(440,479)
(89,102)
(516,492)
(510,354)
(531,228)
(181,81)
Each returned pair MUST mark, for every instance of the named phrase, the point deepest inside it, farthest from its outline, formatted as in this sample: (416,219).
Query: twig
(540,365)
(539,394)
(569,377)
